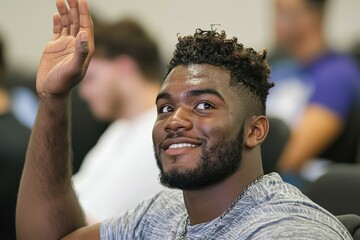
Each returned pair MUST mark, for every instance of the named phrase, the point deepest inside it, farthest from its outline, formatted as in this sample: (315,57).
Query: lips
(179,142)
(181,145)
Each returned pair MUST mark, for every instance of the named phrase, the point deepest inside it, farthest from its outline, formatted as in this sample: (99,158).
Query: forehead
(194,76)
(287,5)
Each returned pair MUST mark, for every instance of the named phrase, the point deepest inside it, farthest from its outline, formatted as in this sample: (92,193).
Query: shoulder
(300,227)
(167,204)
(281,211)
(334,66)
(160,210)
(334,75)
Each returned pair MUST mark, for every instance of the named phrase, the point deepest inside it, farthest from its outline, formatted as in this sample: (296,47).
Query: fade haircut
(249,71)
(127,37)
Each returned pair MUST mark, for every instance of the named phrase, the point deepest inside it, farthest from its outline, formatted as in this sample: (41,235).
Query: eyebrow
(192,93)
(163,95)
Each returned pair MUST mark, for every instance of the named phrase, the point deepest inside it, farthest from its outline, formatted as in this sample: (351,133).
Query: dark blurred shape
(352,224)
(272,147)
(14,138)
(338,190)
(355,51)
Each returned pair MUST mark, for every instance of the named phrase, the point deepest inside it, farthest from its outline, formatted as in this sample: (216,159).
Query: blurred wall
(27,25)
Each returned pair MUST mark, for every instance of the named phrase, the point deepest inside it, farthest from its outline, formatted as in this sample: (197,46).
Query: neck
(4,101)
(209,203)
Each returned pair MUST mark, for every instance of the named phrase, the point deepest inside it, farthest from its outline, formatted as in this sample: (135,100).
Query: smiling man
(192,131)
(207,136)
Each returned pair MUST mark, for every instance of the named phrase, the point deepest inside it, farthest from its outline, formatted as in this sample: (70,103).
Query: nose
(180,120)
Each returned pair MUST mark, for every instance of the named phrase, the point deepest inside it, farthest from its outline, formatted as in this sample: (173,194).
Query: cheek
(104,89)
(214,133)
(93,88)
(219,131)
(157,133)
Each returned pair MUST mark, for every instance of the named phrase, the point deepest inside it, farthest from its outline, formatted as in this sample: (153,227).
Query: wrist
(55,104)
(46,97)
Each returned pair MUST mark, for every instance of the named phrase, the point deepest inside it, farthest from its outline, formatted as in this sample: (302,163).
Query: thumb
(81,48)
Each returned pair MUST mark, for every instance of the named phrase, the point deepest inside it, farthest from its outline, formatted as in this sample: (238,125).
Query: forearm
(315,132)
(47,207)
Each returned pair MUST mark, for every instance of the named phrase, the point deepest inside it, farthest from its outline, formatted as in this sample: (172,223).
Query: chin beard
(217,163)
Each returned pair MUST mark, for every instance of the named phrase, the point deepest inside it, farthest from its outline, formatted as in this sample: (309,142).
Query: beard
(217,162)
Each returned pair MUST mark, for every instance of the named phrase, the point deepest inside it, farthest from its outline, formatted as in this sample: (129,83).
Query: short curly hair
(247,67)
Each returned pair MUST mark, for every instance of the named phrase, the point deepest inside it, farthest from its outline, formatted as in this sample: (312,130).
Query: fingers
(75,22)
(78,18)
(64,14)
(57,26)
(85,17)
(81,52)
(86,24)
(82,43)
(74,17)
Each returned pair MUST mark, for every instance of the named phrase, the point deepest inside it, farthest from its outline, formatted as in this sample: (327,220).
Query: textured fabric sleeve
(298,228)
(335,86)
(125,227)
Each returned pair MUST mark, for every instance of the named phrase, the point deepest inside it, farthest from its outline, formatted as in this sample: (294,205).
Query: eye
(204,106)
(166,109)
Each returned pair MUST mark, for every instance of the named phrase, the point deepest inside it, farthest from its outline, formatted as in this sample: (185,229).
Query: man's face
(295,21)
(100,88)
(198,134)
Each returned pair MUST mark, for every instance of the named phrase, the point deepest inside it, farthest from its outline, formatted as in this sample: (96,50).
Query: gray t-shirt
(269,209)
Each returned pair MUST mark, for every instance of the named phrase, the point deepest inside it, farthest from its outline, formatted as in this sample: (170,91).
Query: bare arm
(317,129)
(47,206)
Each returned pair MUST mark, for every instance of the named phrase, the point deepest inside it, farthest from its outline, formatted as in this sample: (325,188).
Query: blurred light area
(26,25)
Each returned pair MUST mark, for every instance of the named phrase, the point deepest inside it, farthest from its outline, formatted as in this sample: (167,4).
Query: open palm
(65,59)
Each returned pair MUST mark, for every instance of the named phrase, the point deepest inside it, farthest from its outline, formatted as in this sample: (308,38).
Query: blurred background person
(121,85)
(14,137)
(316,92)
(86,128)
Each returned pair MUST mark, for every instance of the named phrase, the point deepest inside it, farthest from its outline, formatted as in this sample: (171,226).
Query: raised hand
(46,197)
(66,57)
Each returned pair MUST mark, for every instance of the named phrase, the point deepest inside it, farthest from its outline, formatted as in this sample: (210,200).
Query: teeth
(181,145)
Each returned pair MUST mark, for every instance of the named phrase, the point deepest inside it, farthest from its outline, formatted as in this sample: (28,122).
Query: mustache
(173,134)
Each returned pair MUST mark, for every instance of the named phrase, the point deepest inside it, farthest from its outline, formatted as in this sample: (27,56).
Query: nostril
(177,125)
(179,120)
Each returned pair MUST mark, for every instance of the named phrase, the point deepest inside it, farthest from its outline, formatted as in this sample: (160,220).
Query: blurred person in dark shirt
(316,91)
(14,137)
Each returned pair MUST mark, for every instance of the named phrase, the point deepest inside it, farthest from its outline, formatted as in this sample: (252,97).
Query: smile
(179,143)
(182,145)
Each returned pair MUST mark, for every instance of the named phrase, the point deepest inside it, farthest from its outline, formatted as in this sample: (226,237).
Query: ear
(257,130)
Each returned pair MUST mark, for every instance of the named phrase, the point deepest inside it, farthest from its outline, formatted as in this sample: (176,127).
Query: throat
(216,201)
(203,206)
